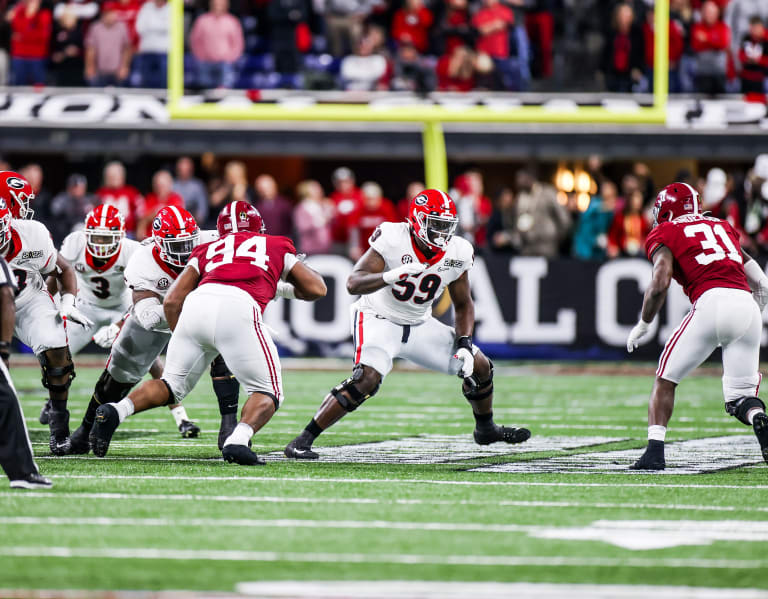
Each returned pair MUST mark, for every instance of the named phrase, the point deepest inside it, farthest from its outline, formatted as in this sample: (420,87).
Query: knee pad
(482,389)
(108,390)
(219,369)
(171,395)
(741,407)
(57,371)
(351,386)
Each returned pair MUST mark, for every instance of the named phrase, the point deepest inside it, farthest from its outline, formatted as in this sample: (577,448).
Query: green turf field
(416,501)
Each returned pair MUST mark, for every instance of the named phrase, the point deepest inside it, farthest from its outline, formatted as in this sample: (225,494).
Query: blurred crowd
(716,46)
(581,213)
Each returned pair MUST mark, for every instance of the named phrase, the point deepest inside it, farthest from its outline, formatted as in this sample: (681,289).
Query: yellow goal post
(431,117)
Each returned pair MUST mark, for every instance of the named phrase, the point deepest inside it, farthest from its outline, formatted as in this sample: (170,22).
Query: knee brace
(225,386)
(108,390)
(57,371)
(481,389)
(171,396)
(350,385)
(741,407)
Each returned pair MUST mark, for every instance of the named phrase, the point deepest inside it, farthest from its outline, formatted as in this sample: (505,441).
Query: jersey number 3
(715,242)
(254,248)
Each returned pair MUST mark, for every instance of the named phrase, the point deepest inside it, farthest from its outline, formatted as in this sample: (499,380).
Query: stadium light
(431,117)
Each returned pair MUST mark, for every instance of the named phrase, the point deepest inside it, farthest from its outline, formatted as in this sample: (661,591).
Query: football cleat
(189,430)
(33,480)
(507,434)
(44,412)
(228,424)
(58,423)
(240,454)
(104,426)
(296,451)
(760,426)
(79,441)
(652,459)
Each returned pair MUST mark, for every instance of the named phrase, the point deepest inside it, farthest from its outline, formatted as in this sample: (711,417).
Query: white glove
(758,282)
(69,312)
(391,277)
(149,314)
(106,335)
(467,362)
(286,290)
(636,334)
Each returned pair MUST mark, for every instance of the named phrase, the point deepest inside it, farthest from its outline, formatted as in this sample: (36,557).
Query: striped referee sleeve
(6,276)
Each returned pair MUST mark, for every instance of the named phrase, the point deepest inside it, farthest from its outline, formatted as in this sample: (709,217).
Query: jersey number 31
(715,242)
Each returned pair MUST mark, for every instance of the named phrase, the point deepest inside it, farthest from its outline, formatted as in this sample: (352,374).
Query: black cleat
(34,480)
(189,430)
(652,459)
(298,452)
(44,412)
(58,423)
(507,434)
(79,441)
(240,454)
(760,425)
(104,426)
(228,424)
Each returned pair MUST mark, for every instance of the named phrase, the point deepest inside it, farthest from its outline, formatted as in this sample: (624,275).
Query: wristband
(464,341)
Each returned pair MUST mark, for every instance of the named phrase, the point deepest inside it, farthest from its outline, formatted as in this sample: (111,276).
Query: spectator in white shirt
(152,27)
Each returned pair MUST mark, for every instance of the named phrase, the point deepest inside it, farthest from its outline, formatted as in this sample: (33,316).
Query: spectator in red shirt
(411,25)
(473,205)
(494,22)
(375,209)
(31,28)
(454,28)
(676,47)
(627,234)
(456,70)
(347,199)
(753,56)
(162,196)
(414,188)
(710,39)
(623,52)
(125,198)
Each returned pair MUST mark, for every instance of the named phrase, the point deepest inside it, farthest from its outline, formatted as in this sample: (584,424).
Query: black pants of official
(15,449)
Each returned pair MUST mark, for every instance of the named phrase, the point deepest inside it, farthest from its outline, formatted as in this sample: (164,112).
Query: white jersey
(147,272)
(102,286)
(410,301)
(31,256)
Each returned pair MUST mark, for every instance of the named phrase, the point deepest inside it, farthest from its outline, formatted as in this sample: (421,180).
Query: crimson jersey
(706,251)
(249,261)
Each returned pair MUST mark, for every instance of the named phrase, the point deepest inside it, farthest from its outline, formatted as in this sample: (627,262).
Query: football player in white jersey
(406,268)
(145,333)
(27,247)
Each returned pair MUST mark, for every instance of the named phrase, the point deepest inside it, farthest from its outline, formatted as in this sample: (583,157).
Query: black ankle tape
(313,428)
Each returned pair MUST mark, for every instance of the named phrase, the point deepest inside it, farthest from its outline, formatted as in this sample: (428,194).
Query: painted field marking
(372,501)
(697,456)
(547,561)
(381,589)
(444,449)
(407,481)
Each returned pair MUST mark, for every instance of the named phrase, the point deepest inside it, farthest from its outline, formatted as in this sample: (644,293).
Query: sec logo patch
(407,259)
(163,283)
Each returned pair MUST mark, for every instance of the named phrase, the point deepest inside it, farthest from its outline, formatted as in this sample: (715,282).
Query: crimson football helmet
(239,216)
(104,231)
(5,224)
(175,234)
(433,218)
(17,193)
(676,199)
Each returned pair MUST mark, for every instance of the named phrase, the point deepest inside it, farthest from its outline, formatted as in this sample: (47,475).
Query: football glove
(464,355)
(636,334)
(106,335)
(285,290)
(69,312)
(391,277)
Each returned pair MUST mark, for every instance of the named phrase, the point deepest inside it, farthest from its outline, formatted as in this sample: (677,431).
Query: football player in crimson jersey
(728,291)
(144,333)
(27,247)
(406,268)
(216,306)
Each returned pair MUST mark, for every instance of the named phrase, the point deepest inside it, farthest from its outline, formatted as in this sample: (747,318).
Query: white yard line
(373,501)
(410,481)
(179,554)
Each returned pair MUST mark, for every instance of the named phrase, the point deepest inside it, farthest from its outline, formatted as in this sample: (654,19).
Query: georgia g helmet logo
(15,183)
(420,200)
(157,223)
